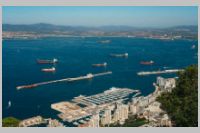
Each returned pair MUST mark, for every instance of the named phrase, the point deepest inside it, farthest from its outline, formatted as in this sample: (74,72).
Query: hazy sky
(99,16)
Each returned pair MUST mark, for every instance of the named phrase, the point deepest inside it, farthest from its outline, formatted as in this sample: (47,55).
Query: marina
(108,96)
(70,111)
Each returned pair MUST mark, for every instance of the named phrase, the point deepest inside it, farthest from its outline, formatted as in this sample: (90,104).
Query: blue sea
(75,55)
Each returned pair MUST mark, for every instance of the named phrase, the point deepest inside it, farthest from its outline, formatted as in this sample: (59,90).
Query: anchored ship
(147,62)
(119,55)
(105,41)
(100,65)
(39,61)
(49,69)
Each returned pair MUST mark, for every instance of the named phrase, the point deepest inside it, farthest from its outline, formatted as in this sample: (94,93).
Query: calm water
(75,57)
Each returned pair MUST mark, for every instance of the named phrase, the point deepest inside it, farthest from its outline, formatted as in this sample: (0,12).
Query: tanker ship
(119,55)
(146,62)
(100,65)
(49,69)
(39,61)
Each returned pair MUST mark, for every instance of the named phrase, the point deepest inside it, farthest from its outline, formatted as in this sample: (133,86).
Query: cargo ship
(105,41)
(146,62)
(100,65)
(119,55)
(49,69)
(47,61)
(27,86)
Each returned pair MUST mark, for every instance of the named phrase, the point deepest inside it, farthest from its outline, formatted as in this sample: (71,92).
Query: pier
(31,121)
(88,76)
(159,72)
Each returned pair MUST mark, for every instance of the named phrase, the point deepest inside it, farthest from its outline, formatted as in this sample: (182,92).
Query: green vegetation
(10,122)
(132,121)
(182,103)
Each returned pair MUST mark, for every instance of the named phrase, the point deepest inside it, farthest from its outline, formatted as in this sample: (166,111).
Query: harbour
(22,71)
(71,111)
(123,66)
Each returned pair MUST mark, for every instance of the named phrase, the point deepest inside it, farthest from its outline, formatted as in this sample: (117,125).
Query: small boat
(119,55)
(47,61)
(49,69)
(165,67)
(9,104)
(147,62)
(105,41)
(100,65)
(193,47)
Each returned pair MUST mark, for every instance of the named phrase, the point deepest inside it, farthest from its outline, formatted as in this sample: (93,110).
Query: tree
(182,103)
(10,122)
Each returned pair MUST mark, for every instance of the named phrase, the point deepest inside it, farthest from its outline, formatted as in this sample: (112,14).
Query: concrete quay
(31,121)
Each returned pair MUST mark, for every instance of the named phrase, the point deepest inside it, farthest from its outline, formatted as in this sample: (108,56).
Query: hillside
(182,103)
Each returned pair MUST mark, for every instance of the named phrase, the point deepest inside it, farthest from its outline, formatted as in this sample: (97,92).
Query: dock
(159,72)
(88,76)
(37,120)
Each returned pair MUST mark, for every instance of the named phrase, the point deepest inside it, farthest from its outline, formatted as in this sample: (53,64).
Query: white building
(133,108)
(160,82)
(106,118)
(121,113)
(165,121)
(166,84)
(94,121)
(170,83)
(54,123)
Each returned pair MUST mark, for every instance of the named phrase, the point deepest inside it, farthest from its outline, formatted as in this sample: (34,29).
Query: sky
(137,16)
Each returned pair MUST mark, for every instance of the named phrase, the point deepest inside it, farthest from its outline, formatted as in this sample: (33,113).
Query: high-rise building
(121,112)
(166,84)
(161,82)
(133,108)
(94,121)
(106,118)
(54,123)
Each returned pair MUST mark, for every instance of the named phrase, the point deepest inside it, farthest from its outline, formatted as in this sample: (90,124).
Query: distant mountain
(43,27)
(193,28)
(48,30)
